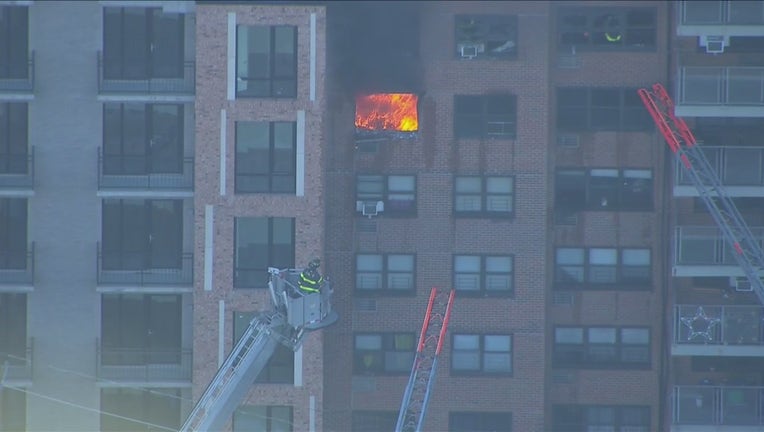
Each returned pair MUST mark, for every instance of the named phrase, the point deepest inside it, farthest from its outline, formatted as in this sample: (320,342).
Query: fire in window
(394,112)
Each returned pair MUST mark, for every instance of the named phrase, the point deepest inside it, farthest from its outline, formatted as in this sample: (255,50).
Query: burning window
(387,112)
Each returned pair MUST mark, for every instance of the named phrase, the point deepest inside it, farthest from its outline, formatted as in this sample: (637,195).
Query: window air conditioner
(741,284)
(714,44)
(469,51)
(369,208)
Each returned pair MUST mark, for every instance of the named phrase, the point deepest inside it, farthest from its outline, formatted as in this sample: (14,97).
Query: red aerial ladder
(417,394)
(746,249)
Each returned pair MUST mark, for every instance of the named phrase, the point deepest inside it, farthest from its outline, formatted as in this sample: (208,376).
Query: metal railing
(716,85)
(18,366)
(17,267)
(17,171)
(147,365)
(718,405)
(183,84)
(704,245)
(24,83)
(721,12)
(135,172)
(736,165)
(718,325)
(136,268)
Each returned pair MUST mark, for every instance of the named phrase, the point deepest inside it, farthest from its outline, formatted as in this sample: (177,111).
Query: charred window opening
(486,36)
(387,112)
(607,28)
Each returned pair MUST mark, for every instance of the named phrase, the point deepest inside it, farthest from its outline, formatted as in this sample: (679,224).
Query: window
(385,274)
(601,347)
(398,192)
(14,42)
(484,275)
(601,109)
(13,233)
(147,406)
(606,28)
(142,138)
(265,157)
(387,353)
(602,268)
(280,367)
(606,189)
(266,61)
(141,43)
(483,354)
(13,137)
(612,418)
(489,116)
(486,36)
(261,243)
(479,421)
(491,196)
(13,410)
(374,421)
(272,418)
(139,329)
(142,234)
(13,328)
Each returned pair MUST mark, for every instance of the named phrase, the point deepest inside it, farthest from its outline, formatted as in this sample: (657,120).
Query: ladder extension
(417,394)
(746,249)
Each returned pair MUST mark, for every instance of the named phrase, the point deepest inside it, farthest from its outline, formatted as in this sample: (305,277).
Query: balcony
(17,171)
(713,91)
(722,406)
(715,330)
(740,169)
(147,366)
(702,251)
(134,173)
(723,18)
(17,367)
(19,81)
(182,85)
(137,270)
(17,267)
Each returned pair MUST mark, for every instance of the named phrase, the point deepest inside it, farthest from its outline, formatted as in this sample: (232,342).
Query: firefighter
(310,278)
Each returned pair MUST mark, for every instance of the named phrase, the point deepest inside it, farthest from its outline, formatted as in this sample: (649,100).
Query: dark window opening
(610,28)
(13,233)
(14,42)
(481,36)
(266,61)
(261,242)
(601,109)
(266,157)
(489,116)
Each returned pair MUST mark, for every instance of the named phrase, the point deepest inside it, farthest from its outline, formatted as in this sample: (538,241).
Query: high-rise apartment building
(156,157)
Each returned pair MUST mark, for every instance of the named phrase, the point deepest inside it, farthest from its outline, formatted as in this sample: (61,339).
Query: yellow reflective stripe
(615,38)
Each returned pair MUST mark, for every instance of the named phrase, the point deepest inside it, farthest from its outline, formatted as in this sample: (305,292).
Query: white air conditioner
(470,51)
(741,284)
(714,44)
(369,208)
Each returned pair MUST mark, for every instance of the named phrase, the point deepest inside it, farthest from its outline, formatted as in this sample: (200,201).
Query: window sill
(384,293)
(619,287)
(484,215)
(485,294)
(477,374)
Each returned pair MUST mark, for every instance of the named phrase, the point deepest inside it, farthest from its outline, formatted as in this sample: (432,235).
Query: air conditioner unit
(741,284)
(568,140)
(470,51)
(714,44)
(369,208)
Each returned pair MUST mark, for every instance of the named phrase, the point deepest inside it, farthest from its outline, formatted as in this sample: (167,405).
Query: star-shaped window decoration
(700,325)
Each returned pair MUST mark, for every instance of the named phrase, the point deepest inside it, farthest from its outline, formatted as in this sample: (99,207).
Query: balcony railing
(134,173)
(718,325)
(712,85)
(18,366)
(705,245)
(182,85)
(709,405)
(17,171)
(145,365)
(721,12)
(122,268)
(17,267)
(736,166)
(19,82)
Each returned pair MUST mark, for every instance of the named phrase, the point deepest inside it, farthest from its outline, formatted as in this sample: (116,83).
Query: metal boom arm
(746,250)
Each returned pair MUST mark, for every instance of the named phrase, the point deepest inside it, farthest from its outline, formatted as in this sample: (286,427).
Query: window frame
(268,416)
(482,352)
(283,357)
(373,420)
(564,205)
(387,191)
(387,340)
(270,174)
(14,239)
(483,275)
(273,81)
(477,124)
(385,277)
(574,417)
(13,327)
(484,195)
(621,282)
(575,108)
(480,421)
(14,141)
(238,282)
(581,353)
(15,37)
(622,33)
(464,35)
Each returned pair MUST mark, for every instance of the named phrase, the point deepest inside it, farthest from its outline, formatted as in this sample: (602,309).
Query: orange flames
(387,112)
